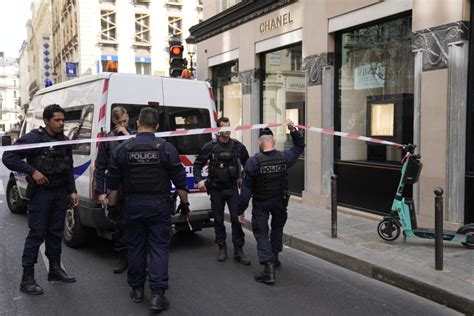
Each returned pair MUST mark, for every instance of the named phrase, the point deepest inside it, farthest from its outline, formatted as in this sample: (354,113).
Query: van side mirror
(6,140)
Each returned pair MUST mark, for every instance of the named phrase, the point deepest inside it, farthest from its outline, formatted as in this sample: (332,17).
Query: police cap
(265,131)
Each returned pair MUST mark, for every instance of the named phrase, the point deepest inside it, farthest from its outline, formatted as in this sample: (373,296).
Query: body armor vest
(53,162)
(225,166)
(272,178)
(145,174)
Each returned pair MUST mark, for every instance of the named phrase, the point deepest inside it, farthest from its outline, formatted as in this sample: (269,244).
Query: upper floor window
(225,4)
(175,27)
(108,25)
(142,28)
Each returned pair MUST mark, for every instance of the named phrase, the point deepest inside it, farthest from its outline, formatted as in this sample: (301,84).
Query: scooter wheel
(469,232)
(388,230)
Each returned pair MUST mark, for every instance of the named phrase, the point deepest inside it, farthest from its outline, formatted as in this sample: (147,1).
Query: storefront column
(327,145)
(417,118)
(250,106)
(456,152)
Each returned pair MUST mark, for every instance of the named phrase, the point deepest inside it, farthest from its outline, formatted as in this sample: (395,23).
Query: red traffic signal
(176,51)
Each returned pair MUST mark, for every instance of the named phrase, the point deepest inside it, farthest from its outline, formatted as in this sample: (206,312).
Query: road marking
(2,189)
(45,259)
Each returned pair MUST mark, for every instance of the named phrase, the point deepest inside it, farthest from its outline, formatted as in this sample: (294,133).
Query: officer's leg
(38,212)
(279,217)
(238,236)
(54,236)
(137,246)
(159,232)
(260,216)
(217,205)
(54,232)
(120,243)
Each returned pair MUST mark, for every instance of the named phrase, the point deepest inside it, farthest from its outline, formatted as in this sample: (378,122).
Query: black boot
(267,276)
(28,284)
(239,256)
(276,261)
(159,302)
(222,254)
(122,263)
(137,294)
(56,273)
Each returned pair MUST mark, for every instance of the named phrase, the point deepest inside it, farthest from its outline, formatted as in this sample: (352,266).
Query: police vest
(53,162)
(145,174)
(225,166)
(272,178)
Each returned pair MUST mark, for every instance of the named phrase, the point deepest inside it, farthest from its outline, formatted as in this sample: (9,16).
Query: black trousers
(218,200)
(268,244)
(46,213)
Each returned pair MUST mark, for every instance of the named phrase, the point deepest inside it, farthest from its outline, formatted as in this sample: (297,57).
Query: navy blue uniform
(147,215)
(101,164)
(47,206)
(262,208)
(221,195)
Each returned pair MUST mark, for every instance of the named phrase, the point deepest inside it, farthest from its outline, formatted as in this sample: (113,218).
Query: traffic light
(177,62)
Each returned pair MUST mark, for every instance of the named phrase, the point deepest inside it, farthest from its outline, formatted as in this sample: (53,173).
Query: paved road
(199,285)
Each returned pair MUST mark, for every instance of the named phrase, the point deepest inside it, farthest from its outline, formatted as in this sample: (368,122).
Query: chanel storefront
(387,69)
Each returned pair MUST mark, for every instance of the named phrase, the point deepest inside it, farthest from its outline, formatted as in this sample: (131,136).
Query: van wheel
(15,203)
(75,235)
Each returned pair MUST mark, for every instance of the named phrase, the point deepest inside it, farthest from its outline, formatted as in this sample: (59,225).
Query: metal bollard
(439,228)
(333,206)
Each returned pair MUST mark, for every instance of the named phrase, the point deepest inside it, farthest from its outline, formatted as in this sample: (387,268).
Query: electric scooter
(402,214)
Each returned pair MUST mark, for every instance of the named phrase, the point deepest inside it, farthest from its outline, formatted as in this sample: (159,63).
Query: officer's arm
(247,183)
(292,154)
(114,170)
(14,160)
(70,184)
(101,164)
(174,167)
(201,160)
(244,154)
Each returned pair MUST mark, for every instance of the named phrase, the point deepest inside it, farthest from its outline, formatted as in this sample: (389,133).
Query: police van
(88,101)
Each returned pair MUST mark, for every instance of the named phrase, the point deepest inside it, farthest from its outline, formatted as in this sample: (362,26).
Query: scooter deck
(430,233)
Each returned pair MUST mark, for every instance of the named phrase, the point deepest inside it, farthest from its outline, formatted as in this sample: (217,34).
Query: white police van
(88,101)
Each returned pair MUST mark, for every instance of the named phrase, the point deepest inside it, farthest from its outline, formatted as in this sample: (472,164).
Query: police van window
(181,118)
(78,125)
(133,110)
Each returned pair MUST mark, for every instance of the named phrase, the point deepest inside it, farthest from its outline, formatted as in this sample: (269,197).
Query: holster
(31,188)
(286,198)
(208,187)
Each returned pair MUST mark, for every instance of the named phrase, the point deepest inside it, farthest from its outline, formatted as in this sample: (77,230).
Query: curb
(429,291)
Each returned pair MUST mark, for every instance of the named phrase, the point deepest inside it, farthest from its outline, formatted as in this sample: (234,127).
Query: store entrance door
(295,112)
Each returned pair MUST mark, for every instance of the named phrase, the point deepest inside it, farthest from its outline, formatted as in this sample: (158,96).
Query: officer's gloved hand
(184,210)
(112,213)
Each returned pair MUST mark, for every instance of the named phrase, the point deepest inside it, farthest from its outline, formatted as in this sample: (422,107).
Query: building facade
(126,36)
(9,93)
(394,69)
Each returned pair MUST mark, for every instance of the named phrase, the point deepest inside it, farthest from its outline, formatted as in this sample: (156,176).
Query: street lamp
(191,49)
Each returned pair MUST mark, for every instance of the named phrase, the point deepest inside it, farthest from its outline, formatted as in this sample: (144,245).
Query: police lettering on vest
(145,174)
(143,157)
(272,180)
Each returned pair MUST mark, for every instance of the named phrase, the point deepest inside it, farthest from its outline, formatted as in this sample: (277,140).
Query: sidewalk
(409,266)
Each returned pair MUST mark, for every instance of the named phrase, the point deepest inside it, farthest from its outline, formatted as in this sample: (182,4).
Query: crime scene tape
(199,131)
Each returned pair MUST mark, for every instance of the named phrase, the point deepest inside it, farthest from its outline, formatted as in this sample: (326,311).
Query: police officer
(120,120)
(143,166)
(50,181)
(265,177)
(226,157)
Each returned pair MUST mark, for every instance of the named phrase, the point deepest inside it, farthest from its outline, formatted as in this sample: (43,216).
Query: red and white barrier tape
(199,131)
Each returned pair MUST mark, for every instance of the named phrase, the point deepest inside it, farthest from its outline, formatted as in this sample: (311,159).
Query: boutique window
(374,97)
(375,85)
(283,98)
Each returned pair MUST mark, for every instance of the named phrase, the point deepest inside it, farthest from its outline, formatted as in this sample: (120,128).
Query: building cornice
(237,15)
